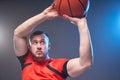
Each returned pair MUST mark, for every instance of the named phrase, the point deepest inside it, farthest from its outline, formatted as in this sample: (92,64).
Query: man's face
(39,46)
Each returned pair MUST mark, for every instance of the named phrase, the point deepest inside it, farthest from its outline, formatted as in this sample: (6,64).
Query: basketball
(73,8)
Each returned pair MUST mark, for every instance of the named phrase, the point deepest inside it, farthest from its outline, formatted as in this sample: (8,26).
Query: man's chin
(39,57)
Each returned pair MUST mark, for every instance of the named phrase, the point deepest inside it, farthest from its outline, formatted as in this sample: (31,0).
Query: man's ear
(28,46)
(49,46)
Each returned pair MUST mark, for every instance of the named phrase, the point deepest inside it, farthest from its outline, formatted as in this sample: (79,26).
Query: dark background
(104,25)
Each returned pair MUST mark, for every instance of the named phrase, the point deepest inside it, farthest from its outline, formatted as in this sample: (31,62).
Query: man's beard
(39,57)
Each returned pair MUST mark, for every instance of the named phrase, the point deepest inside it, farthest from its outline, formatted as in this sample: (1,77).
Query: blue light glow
(119,21)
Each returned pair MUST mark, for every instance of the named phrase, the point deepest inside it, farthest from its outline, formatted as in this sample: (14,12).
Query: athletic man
(34,55)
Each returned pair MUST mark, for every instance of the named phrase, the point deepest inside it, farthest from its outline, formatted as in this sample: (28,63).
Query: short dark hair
(37,32)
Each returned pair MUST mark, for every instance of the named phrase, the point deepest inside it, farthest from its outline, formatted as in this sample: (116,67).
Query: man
(34,57)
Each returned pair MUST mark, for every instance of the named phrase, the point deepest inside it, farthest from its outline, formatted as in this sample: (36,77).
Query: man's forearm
(85,49)
(26,27)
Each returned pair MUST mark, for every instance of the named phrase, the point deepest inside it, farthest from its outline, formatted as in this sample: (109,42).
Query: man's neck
(42,60)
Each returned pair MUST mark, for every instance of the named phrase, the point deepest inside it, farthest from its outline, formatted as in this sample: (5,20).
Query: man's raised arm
(22,31)
(78,65)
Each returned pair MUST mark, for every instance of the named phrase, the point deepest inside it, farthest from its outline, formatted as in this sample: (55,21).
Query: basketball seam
(70,8)
(84,14)
(59,7)
(82,4)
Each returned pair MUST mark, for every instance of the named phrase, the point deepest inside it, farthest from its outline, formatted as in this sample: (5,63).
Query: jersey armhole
(22,59)
(64,71)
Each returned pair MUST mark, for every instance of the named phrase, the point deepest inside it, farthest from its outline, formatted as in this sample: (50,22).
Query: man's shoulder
(58,62)
(61,59)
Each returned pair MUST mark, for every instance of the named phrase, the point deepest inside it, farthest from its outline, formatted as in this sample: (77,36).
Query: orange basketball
(74,8)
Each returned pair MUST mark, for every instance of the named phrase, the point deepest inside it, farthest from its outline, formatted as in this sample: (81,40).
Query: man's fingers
(66,17)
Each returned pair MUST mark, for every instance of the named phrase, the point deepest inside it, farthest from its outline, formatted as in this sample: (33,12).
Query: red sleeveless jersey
(52,69)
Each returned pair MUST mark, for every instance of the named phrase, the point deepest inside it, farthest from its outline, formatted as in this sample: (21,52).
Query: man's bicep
(20,46)
(74,68)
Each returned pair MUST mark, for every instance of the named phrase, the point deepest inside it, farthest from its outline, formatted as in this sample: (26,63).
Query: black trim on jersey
(64,73)
(22,59)
(26,65)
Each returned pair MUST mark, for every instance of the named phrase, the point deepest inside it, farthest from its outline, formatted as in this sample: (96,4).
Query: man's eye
(42,42)
(34,42)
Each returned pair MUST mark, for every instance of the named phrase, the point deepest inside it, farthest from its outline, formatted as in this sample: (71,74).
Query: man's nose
(39,47)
